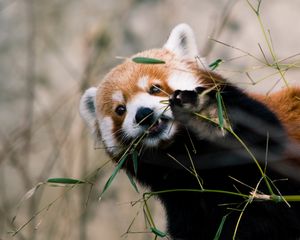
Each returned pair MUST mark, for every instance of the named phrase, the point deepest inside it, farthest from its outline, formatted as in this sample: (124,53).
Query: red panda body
(170,114)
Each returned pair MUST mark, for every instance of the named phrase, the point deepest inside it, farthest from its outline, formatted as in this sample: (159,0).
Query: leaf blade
(220,228)
(145,60)
(135,161)
(220,109)
(132,182)
(65,181)
(215,64)
(158,232)
(114,173)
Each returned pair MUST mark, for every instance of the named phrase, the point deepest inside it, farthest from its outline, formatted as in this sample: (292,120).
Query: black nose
(144,116)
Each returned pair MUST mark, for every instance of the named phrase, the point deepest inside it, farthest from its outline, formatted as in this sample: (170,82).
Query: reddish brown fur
(285,103)
(130,73)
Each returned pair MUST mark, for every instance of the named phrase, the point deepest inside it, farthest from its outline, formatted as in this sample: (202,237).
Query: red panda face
(131,103)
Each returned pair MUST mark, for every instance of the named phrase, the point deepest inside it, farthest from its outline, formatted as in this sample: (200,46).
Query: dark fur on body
(195,215)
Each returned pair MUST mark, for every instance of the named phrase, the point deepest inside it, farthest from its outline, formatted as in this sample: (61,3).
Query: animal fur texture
(194,130)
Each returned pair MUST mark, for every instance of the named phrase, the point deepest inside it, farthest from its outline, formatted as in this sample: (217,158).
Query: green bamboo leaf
(215,64)
(132,182)
(65,181)
(220,228)
(144,60)
(158,232)
(114,173)
(135,161)
(220,109)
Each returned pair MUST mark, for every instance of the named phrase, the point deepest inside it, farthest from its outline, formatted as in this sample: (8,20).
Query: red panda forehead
(125,79)
(128,79)
(126,85)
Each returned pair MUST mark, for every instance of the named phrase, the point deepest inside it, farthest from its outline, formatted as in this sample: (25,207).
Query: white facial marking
(133,129)
(143,82)
(182,80)
(107,134)
(118,96)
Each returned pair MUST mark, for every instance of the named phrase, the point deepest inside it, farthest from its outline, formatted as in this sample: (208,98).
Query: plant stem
(150,194)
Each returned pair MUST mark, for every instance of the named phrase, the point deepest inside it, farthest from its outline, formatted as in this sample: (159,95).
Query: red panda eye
(155,89)
(120,110)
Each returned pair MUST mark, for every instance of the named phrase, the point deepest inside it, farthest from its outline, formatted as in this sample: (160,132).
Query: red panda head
(130,102)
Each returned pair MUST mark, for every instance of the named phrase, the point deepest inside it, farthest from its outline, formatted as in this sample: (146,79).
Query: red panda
(171,114)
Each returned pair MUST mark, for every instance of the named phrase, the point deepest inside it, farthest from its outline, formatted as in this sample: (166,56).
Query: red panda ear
(182,42)
(87,108)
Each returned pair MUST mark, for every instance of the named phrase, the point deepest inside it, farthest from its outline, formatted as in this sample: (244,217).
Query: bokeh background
(51,50)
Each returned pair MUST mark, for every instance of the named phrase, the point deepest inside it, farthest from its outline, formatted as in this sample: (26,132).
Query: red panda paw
(183,104)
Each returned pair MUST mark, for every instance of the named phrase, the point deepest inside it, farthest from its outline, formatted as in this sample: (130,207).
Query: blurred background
(52,50)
